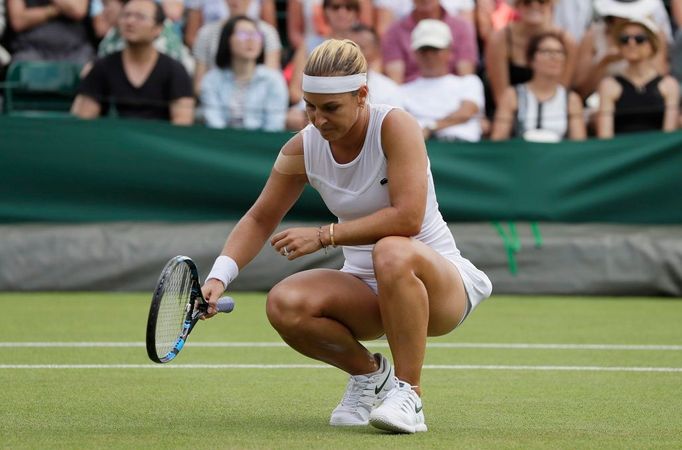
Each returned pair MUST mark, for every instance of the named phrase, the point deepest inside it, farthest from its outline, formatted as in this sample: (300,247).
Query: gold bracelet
(331,234)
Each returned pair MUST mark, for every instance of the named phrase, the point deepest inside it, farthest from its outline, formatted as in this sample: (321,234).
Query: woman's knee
(287,306)
(393,256)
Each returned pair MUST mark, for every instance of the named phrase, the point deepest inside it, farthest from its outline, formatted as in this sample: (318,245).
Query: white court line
(321,366)
(519,346)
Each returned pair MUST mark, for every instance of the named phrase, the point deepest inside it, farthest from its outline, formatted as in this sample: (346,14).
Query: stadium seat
(40,88)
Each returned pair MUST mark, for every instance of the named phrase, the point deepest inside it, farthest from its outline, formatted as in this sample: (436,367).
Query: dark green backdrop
(79,171)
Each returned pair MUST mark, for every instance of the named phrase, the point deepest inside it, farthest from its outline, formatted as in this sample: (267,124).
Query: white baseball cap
(431,33)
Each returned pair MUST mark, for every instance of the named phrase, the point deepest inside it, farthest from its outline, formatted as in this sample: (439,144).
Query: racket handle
(225,304)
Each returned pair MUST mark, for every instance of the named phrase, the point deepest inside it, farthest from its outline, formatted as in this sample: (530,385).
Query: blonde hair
(335,57)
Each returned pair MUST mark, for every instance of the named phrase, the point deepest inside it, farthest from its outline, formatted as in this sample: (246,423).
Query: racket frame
(195,308)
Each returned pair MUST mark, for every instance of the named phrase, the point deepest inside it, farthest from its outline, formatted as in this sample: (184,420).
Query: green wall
(90,171)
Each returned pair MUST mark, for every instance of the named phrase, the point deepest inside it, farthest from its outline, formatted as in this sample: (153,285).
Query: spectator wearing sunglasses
(506,52)
(241,92)
(208,39)
(541,108)
(641,98)
(599,53)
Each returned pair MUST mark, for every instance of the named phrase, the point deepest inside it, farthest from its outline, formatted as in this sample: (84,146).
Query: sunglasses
(248,35)
(346,6)
(639,39)
(551,52)
(530,2)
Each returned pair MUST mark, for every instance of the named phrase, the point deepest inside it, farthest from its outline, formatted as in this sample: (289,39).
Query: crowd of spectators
(466,69)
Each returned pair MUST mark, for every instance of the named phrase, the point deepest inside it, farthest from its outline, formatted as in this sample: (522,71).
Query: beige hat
(624,8)
(646,23)
(431,33)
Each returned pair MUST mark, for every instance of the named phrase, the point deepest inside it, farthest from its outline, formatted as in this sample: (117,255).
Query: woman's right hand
(212,290)
(296,242)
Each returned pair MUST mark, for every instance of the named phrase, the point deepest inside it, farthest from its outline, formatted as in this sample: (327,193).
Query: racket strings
(172,308)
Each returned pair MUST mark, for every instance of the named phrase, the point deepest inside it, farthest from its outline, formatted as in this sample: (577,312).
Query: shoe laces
(402,396)
(358,390)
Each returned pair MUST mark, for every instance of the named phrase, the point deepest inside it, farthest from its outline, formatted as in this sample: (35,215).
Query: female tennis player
(403,275)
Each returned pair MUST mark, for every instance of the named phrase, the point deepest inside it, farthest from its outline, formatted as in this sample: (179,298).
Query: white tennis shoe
(363,392)
(400,412)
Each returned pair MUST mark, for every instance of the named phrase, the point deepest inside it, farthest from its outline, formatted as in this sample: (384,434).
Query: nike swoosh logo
(379,388)
(417,409)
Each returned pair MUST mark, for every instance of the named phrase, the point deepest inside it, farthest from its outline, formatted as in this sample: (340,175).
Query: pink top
(396,43)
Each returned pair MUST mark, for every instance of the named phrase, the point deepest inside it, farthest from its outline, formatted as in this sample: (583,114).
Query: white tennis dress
(360,188)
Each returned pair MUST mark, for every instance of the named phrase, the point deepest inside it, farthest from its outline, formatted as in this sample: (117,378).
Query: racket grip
(225,304)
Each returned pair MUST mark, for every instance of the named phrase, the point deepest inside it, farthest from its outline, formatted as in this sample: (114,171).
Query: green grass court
(522,372)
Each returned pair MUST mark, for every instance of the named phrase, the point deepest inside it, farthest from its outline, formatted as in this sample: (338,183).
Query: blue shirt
(264,103)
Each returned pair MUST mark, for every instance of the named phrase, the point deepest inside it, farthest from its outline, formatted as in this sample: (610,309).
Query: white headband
(333,85)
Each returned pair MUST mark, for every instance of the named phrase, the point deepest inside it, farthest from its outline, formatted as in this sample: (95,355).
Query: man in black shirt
(139,81)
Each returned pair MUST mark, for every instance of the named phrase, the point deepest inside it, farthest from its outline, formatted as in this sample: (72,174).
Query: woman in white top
(541,105)
(403,276)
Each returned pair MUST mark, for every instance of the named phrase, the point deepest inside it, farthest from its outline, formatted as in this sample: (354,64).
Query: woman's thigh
(442,281)
(332,294)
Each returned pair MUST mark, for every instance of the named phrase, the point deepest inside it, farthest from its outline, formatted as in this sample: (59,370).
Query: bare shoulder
(398,117)
(609,88)
(669,86)
(294,146)
(398,126)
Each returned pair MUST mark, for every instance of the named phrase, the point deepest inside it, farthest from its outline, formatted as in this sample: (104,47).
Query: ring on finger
(285,251)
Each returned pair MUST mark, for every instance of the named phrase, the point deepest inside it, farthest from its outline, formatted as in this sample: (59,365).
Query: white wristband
(224,269)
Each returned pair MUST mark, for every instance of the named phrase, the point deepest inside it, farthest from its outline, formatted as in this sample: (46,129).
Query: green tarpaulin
(104,170)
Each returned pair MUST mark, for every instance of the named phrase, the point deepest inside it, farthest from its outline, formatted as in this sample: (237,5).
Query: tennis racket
(177,305)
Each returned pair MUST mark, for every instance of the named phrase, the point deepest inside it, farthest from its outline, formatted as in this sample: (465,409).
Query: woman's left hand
(296,242)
